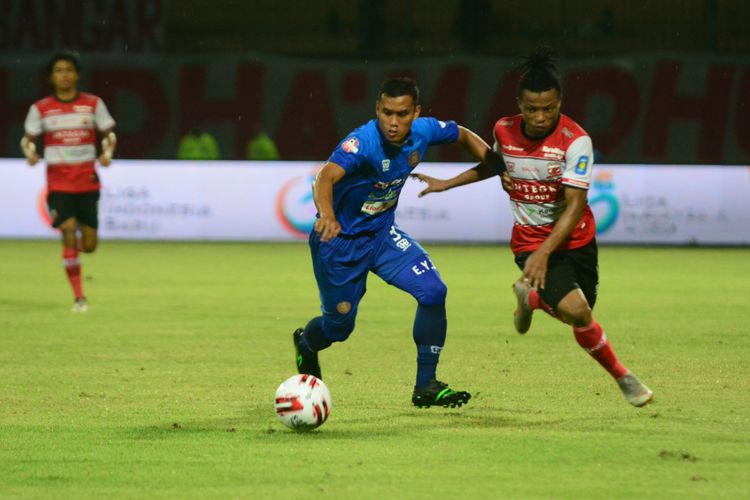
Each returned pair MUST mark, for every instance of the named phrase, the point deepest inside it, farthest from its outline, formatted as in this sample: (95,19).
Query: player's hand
(535,269)
(32,160)
(29,151)
(327,227)
(108,149)
(433,185)
(507,182)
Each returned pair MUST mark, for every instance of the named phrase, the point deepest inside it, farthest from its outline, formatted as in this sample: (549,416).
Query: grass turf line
(166,386)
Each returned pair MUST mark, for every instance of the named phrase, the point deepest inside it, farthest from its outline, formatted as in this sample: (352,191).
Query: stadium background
(653,82)
(164,388)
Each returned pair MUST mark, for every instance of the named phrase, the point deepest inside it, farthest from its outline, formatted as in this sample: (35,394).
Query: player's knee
(578,315)
(574,309)
(88,246)
(68,230)
(338,330)
(433,294)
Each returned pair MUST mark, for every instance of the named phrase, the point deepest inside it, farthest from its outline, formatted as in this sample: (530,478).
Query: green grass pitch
(164,389)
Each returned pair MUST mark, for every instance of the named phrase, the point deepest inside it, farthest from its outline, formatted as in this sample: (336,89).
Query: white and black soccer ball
(303,402)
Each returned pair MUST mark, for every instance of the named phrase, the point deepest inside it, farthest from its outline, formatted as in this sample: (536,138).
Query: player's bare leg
(89,239)
(574,310)
(71,262)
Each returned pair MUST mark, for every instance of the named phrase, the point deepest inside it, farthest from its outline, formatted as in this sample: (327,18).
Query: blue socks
(313,338)
(430,326)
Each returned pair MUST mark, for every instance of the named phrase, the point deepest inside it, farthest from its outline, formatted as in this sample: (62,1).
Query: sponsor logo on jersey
(386,165)
(71,136)
(414,159)
(399,240)
(583,165)
(351,145)
(510,147)
(386,185)
(372,207)
(423,267)
(343,307)
(553,152)
(531,191)
(83,109)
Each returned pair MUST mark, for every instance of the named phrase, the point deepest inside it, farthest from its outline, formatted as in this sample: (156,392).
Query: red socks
(536,302)
(73,269)
(594,341)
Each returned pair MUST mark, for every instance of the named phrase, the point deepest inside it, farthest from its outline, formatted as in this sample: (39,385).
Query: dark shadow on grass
(260,423)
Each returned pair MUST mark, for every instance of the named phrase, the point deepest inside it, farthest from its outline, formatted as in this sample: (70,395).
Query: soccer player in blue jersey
(356,193)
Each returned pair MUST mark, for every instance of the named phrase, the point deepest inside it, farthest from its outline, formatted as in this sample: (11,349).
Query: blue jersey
(365,199)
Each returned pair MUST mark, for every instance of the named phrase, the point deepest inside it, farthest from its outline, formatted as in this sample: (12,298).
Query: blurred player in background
(356,193)
(70,120)
(549,159)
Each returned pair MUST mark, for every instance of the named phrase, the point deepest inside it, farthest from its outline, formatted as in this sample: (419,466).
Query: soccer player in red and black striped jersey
(69,121)
(548,159)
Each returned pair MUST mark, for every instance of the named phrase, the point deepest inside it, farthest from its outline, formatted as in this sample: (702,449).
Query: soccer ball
(303,402)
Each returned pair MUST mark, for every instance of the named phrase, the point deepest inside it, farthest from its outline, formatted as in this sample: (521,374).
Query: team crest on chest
(386,165)
(414,159)
(554,170)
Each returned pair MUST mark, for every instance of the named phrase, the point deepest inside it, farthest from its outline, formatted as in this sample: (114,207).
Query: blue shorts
(342,264)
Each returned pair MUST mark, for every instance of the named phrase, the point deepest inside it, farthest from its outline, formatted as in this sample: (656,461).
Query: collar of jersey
(66,101)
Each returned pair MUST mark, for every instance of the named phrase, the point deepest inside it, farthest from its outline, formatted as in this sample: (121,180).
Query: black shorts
(568,270)
(83,206)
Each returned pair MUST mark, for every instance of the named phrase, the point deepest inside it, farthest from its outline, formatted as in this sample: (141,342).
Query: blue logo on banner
(604,202)
(295,207)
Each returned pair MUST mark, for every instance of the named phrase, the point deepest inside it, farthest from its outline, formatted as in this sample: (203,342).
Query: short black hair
(539,73)
(71,57)
(398,86)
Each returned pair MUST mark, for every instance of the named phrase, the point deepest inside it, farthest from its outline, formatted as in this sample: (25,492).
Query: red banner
(681,109)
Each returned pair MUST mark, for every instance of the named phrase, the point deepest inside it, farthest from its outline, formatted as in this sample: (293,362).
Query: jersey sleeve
(440,132)
(33,123)
(349,154)
(579,162)
(104,120)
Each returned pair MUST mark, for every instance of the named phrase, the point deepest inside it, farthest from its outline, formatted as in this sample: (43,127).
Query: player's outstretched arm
(28,148)
(327,226)
(480,150)
(491,165)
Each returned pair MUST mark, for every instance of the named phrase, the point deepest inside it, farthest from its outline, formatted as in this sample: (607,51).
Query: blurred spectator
(198,144)
(262,147)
